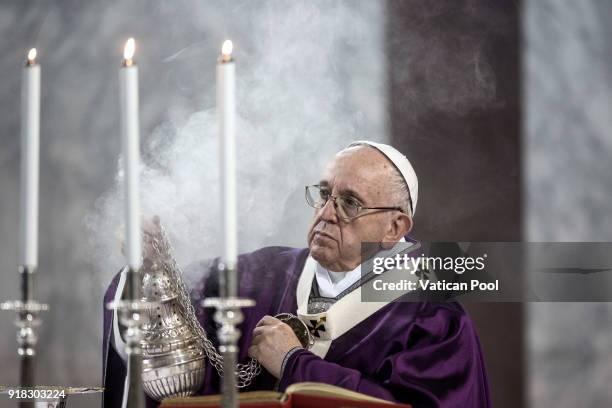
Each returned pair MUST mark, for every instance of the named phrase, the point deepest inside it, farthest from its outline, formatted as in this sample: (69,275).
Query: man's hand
(272,339)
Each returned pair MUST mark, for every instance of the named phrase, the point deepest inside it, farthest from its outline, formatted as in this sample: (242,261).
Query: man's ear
(400,226)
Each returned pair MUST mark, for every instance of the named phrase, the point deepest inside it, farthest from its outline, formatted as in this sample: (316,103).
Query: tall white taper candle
(128,85)
(226,105)
(30,142)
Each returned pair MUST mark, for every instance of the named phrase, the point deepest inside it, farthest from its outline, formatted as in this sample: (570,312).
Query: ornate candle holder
(27,323)
(132,314)
(228,315)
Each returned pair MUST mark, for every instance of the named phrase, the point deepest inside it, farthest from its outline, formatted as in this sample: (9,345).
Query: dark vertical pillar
(454,88)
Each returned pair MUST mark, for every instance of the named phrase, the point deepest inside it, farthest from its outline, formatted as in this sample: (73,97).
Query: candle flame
(128,50)
(32,56)
(227,48)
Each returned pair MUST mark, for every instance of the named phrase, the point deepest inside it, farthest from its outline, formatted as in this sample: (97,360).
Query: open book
(299,395)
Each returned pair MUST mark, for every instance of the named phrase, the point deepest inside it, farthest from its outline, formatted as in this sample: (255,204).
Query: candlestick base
(132,315)
(228,315)
(27,322)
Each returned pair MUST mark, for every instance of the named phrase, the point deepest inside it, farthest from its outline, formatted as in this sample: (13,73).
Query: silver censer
(173,356)
(173,361)
(174,344)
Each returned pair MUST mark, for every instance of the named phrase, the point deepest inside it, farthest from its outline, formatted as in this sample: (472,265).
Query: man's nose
(329,212)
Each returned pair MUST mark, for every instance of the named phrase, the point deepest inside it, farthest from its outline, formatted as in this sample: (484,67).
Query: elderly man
(422,353)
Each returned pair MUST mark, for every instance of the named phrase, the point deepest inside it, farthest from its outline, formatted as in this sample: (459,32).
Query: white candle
(30,128)
(128,85)
(226,105)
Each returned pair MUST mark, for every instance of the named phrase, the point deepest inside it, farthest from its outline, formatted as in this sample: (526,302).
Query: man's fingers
(253,352)
(263,321)
(257,331)
(267,320)
(258,338)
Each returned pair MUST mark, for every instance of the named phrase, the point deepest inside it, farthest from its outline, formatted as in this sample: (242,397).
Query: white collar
(331,284)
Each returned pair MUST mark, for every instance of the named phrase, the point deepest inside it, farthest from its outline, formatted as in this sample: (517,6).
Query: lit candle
(30,141)
(128,85)
(226,105)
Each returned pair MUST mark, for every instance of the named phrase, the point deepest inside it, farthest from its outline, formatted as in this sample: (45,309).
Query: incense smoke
(310,79)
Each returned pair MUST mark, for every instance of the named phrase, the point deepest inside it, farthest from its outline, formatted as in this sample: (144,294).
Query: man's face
(362,173)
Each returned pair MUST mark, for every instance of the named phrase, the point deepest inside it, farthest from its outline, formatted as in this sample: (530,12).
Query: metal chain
(164,251)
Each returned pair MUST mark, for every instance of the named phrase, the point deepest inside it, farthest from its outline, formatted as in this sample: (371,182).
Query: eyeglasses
(347,207)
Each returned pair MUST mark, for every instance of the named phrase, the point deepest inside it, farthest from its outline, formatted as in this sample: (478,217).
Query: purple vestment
(425,354)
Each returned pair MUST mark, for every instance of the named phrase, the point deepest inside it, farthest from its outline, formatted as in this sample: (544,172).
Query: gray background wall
(567,153)
(455,111)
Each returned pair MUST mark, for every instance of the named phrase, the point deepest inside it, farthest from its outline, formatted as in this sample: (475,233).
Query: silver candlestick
(228,315)
(132,314)
(27,322)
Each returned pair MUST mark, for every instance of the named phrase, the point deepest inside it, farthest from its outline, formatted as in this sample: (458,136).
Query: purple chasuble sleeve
(427,355)
(113,371)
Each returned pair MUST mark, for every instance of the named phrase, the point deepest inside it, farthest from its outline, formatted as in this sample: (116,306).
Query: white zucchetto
(401,162)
